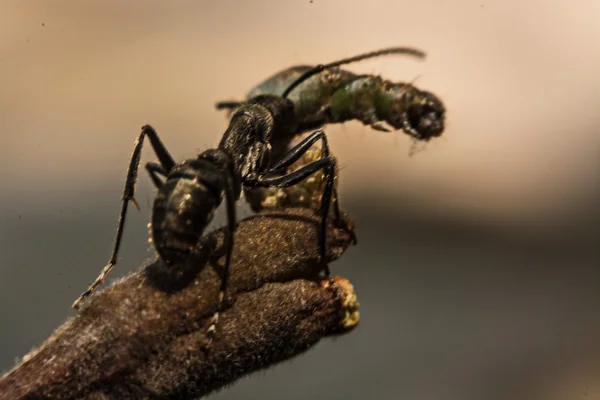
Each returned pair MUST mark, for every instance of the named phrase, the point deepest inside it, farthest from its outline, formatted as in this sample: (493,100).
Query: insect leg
(155,169)
(328,165)
(300,149)
(228,241)
(166,161)
(227,105)
(371,119)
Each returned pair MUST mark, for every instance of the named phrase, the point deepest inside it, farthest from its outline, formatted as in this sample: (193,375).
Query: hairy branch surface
(144,337)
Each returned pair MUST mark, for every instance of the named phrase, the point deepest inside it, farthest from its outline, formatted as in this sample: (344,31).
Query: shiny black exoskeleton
(189,192)
(253,153)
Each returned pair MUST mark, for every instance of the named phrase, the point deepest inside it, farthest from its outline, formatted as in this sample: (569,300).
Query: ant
(190,191)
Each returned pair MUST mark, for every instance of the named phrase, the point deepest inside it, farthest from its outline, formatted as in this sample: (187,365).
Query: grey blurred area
(477,267)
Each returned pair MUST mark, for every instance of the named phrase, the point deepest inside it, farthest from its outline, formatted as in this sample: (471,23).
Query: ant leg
(328,165)
(228,241)
(159,148)
(166,162)
(300,149)
(155,169)
(227,105)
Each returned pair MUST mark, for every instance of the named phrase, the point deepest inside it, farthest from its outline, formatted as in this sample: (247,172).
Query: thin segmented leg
(227,105)
(285,180)
(154,170)
(166,162)
(228,242)
(298,151)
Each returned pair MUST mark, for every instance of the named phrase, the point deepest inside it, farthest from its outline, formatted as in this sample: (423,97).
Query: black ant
(190,191)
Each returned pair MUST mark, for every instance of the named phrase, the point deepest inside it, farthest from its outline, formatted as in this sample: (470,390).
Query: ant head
(423,115)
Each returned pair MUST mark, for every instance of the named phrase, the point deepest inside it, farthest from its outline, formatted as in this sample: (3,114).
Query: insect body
(336,95)
(252,154)
(190,191)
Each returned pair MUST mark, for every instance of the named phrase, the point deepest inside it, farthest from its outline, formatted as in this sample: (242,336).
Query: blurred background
(478,263)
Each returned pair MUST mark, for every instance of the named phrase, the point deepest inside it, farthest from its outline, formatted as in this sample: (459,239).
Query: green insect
(325,94)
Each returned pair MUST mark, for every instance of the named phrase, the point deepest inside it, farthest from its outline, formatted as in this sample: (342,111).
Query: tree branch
(145,335)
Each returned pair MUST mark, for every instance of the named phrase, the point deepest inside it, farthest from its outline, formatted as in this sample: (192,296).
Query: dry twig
(145,335)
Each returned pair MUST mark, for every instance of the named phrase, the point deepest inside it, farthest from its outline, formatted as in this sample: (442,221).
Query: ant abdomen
(183,207)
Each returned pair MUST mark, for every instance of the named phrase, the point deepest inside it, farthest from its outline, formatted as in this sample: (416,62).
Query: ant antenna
(321,67)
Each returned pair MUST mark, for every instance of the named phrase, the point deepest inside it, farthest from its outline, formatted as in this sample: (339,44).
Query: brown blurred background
(477,267)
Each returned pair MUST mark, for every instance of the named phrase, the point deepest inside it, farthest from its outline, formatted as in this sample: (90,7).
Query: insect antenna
(321,67)
(412,82)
